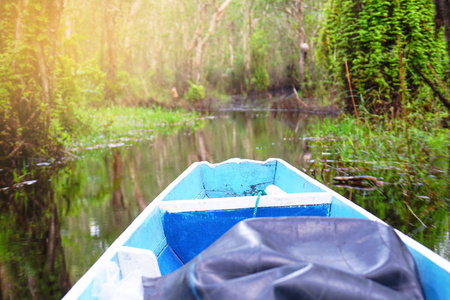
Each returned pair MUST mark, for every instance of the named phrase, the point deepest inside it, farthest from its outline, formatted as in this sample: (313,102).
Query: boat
(206,200)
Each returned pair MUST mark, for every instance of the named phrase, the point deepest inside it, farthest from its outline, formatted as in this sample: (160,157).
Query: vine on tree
(384,42)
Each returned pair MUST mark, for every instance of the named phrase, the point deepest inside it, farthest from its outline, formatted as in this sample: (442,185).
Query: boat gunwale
(83,283)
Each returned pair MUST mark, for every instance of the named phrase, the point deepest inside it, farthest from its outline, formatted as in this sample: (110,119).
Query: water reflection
(132,176)
(32,258)
(53,231)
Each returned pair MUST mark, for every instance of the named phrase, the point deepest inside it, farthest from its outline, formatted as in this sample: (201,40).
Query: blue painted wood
(291,182)
(150,234)
(237,179)
(87,293)
(202,195)
(189,233)
(168,261)
(189,187)
(341,209)
(430,275)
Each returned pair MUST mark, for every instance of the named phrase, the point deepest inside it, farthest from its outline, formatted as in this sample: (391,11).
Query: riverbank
(385,142)
(114,126)
(397,170)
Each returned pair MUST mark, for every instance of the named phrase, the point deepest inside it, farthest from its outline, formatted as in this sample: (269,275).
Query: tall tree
(28,41)
(111,51)
(301,39)
(129,22)
(387,45)
(247,29)
(201,38)
(442,18)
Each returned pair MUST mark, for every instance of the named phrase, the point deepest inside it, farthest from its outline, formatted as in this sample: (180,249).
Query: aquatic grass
(413,157)
(381,141)
(108,125)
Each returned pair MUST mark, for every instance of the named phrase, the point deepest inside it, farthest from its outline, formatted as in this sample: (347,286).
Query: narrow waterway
(55,228)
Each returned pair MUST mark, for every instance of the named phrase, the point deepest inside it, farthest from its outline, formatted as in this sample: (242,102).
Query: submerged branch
(11,155)
(412,212)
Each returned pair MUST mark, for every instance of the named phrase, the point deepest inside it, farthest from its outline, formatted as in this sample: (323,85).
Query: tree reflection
(134,172)
(117,194)
(32,260)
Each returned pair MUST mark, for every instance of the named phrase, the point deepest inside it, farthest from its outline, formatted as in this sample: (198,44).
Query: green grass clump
(408,152)
(409,157)
(117,124)
(383,142)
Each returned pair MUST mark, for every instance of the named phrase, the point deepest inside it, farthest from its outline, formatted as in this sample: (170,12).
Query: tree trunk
(247,37)
(201,42)
(46,60)
(198,61)
(301,40)
(442,18)
(230,46)
(18,33)
(111,54)
(43,74)
(129,28)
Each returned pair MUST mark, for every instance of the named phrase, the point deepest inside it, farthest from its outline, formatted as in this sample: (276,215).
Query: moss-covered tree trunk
(28,41)
(388,45)
(443,19)
(301,39)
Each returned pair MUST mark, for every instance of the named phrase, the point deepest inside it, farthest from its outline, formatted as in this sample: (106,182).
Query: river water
(55,228)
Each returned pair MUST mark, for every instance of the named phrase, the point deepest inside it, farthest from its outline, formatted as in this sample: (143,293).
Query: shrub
(195,93)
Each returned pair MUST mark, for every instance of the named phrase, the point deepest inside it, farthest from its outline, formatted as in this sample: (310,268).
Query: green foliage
(408,146)
(195,93)
(28,87)
(105,125)
(384,42)
(409,157)
(92,81)
(258,67)
(154,52)
(237,81)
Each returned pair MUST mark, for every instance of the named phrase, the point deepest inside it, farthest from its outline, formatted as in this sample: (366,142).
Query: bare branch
(441,97)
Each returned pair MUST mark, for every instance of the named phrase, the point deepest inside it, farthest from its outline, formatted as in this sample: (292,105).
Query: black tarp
(296,258)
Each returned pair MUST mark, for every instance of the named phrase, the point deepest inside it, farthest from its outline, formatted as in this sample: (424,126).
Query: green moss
(385,42)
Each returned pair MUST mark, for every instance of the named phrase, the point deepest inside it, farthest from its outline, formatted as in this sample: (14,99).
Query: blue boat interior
(176,238)
(238,179)
(189,233)
(181,236)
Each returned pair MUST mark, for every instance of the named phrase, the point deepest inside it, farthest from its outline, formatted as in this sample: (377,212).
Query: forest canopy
(59,56)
